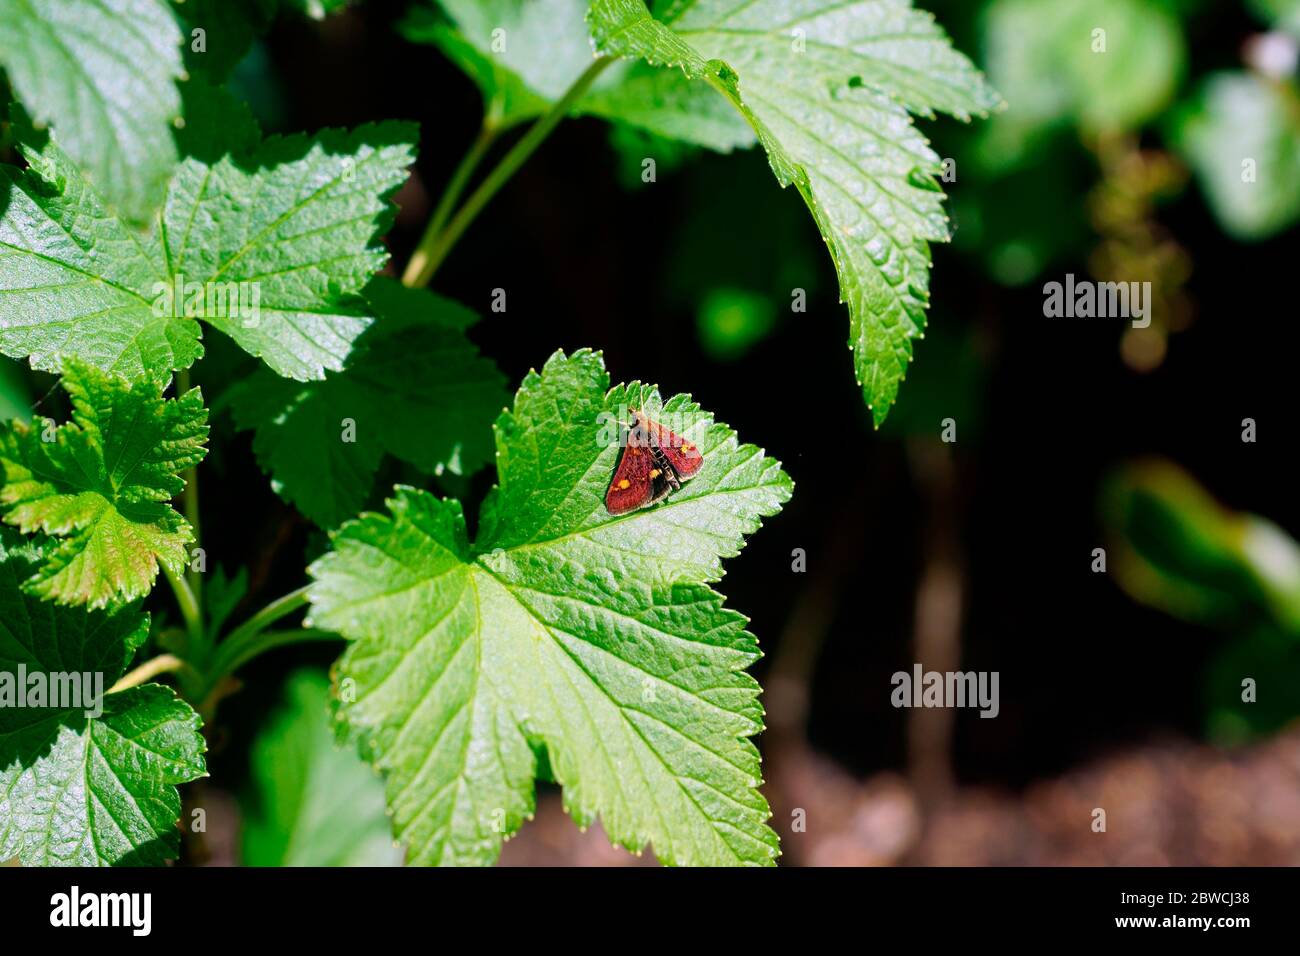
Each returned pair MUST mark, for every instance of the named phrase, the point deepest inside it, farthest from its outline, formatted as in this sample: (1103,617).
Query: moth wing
(632,487)
(681,454)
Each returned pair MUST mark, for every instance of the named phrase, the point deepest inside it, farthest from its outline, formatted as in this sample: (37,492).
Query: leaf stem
(189,606)
(248,640)
(431,258)
(162,664)
(256,645)
(459,179)
(284,605)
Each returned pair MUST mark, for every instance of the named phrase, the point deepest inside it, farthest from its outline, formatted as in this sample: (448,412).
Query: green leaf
(524,55)
(103,73)
(78,790)
(102,484)
(312,802)
(1241,136)
(416,388)
(271,244)
(590,642)
(828,87)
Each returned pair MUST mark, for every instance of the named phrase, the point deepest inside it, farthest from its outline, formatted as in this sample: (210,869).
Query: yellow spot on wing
(624,484)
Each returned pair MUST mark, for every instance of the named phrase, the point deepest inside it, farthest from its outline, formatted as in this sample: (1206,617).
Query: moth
(654,463)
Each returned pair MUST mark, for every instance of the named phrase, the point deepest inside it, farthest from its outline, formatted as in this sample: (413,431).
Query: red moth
(654,463)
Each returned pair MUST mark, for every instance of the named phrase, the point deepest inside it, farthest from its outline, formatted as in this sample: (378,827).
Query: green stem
(189,606)
(431,258)
(459,179)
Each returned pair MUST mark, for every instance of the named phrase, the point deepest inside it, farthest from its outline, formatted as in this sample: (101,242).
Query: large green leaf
(102,484)
(103,73)
(79,788)
(415,388)
(590,640)
(312,802)
(279,239)
(828,87)
(524,55)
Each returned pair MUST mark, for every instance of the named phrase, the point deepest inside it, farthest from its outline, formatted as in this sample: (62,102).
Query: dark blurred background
(1119,689)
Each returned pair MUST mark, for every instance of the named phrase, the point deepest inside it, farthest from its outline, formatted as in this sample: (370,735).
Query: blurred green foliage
(310,801)
(730,321)
(1175,548)
(1104,66)
(1241,134)
(1283,14)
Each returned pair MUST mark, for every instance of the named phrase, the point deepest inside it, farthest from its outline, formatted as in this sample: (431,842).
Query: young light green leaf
(103,73)
(594,640)
(80,788)
(270,244)
(828,87)
(102,484)
(312,802)
(524,55)
(415,388)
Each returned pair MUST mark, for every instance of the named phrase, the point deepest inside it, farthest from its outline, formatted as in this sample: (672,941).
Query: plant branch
(459,180)
(162,664)
(189,606)
(438,249)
